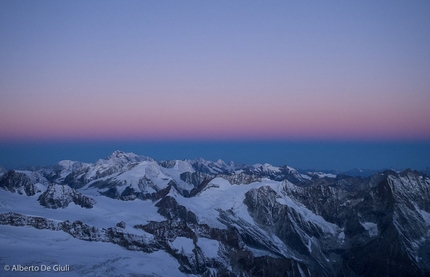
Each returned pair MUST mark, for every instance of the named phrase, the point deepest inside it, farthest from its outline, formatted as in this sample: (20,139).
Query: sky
(215,71)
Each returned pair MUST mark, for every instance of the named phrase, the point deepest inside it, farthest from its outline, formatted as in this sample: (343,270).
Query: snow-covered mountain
(131,215)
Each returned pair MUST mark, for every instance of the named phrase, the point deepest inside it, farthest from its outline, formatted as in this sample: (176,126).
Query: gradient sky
(219,69)
(214,70)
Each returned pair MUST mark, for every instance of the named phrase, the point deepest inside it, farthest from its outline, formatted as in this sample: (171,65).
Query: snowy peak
(266,168)
(321,175)
(2,170)
(123,158)
(221,163)
(116,162)
(218,167)
(77,174)
(183,166)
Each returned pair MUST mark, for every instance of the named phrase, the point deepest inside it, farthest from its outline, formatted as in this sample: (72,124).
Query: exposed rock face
(359,231)
(277,173)
(213,168)
(195,178)
(241,178)
(233,260)
(83,231)
(18,182)
(60,196)
(394,228)
(121,224)
(16,219)
(169,208)
(304,238)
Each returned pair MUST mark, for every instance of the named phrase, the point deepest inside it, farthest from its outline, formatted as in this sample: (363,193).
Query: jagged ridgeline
(216,219)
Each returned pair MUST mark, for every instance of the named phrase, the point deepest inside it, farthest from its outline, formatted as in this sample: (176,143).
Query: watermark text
(37,268)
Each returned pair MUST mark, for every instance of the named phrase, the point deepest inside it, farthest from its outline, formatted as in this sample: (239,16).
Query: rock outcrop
(60,196)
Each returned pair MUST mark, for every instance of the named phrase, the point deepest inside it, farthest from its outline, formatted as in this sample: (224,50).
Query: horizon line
(218,140)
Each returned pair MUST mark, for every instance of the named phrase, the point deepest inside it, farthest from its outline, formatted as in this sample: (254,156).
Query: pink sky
(235,116)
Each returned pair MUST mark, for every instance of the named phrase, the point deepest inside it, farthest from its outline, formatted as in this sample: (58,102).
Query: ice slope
(106,212)
(221,195)
(147,169)
(218,195)
(32,247)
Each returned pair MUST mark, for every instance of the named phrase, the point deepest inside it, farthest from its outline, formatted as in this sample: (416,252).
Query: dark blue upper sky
(304,155)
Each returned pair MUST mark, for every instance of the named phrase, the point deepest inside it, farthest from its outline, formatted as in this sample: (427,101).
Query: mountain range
(130,215)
